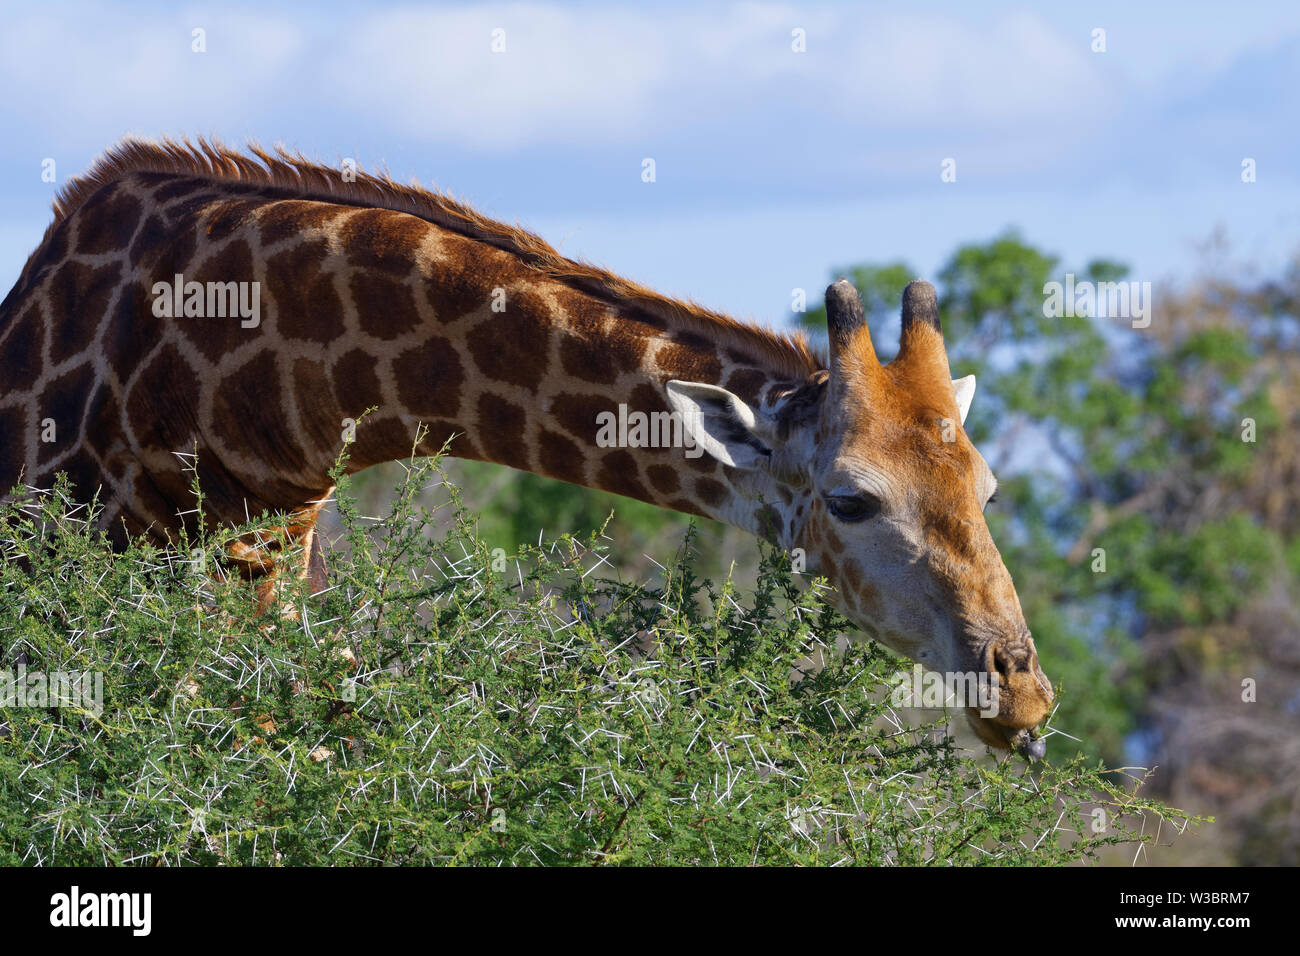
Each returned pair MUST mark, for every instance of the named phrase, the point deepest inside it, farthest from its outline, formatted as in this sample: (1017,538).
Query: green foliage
(525,692)
(995,289)
(435,706)
(1198,579)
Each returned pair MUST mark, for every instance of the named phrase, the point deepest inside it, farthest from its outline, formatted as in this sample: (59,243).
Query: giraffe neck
(504,365)
(443,320)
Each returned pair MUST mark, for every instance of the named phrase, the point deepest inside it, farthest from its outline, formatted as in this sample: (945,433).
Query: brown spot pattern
(619,474)
(167,382)
(133,330)
(311,383)
(383,241)
(14,430)
(152,233)
(212,335)
(223,219)
(690,363)
(463,275)
(664,478)
(501,425)
(710,492)
(576,414)
(303,294)
(386,307)
(64,401)
(79,295)
(20,353)
(747,383)
(292,218)
(429,379)
(177,187)
(356,385)
(109,224)
(253,393)
(511,346)
(560,457)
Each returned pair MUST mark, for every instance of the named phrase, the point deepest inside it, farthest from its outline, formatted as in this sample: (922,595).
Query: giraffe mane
(789,353)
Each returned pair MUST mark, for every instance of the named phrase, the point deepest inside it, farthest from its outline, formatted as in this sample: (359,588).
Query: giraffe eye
(853,507)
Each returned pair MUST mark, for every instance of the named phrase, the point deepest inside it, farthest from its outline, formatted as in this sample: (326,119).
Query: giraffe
(370,293)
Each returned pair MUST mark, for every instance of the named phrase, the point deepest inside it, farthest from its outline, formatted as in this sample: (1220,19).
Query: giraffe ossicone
(375,294)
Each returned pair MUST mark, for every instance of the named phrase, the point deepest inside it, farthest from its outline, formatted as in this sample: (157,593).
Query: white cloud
(571,74)
(590,74)
(913,71)
(100,69)
(566,73)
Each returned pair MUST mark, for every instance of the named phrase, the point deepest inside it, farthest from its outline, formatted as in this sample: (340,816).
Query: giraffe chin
(1022,740)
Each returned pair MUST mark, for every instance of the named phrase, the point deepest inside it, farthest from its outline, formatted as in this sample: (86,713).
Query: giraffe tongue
(1029,746)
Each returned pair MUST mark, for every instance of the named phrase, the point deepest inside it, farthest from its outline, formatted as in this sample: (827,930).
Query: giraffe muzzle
(1023,740)
(1024,697)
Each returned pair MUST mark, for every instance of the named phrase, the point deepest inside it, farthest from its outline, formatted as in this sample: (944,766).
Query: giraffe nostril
(998,660)
(1007,660)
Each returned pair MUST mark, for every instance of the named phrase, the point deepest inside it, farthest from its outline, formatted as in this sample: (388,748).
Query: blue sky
(772,166)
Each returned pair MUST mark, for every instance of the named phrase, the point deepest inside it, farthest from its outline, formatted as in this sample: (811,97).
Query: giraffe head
(868,469)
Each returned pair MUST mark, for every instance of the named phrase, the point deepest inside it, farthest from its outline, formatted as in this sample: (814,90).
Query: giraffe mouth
(1022,740)
(1022,697)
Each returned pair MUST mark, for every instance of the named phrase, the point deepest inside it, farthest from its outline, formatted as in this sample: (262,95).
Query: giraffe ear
(722,424)
(965,389)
